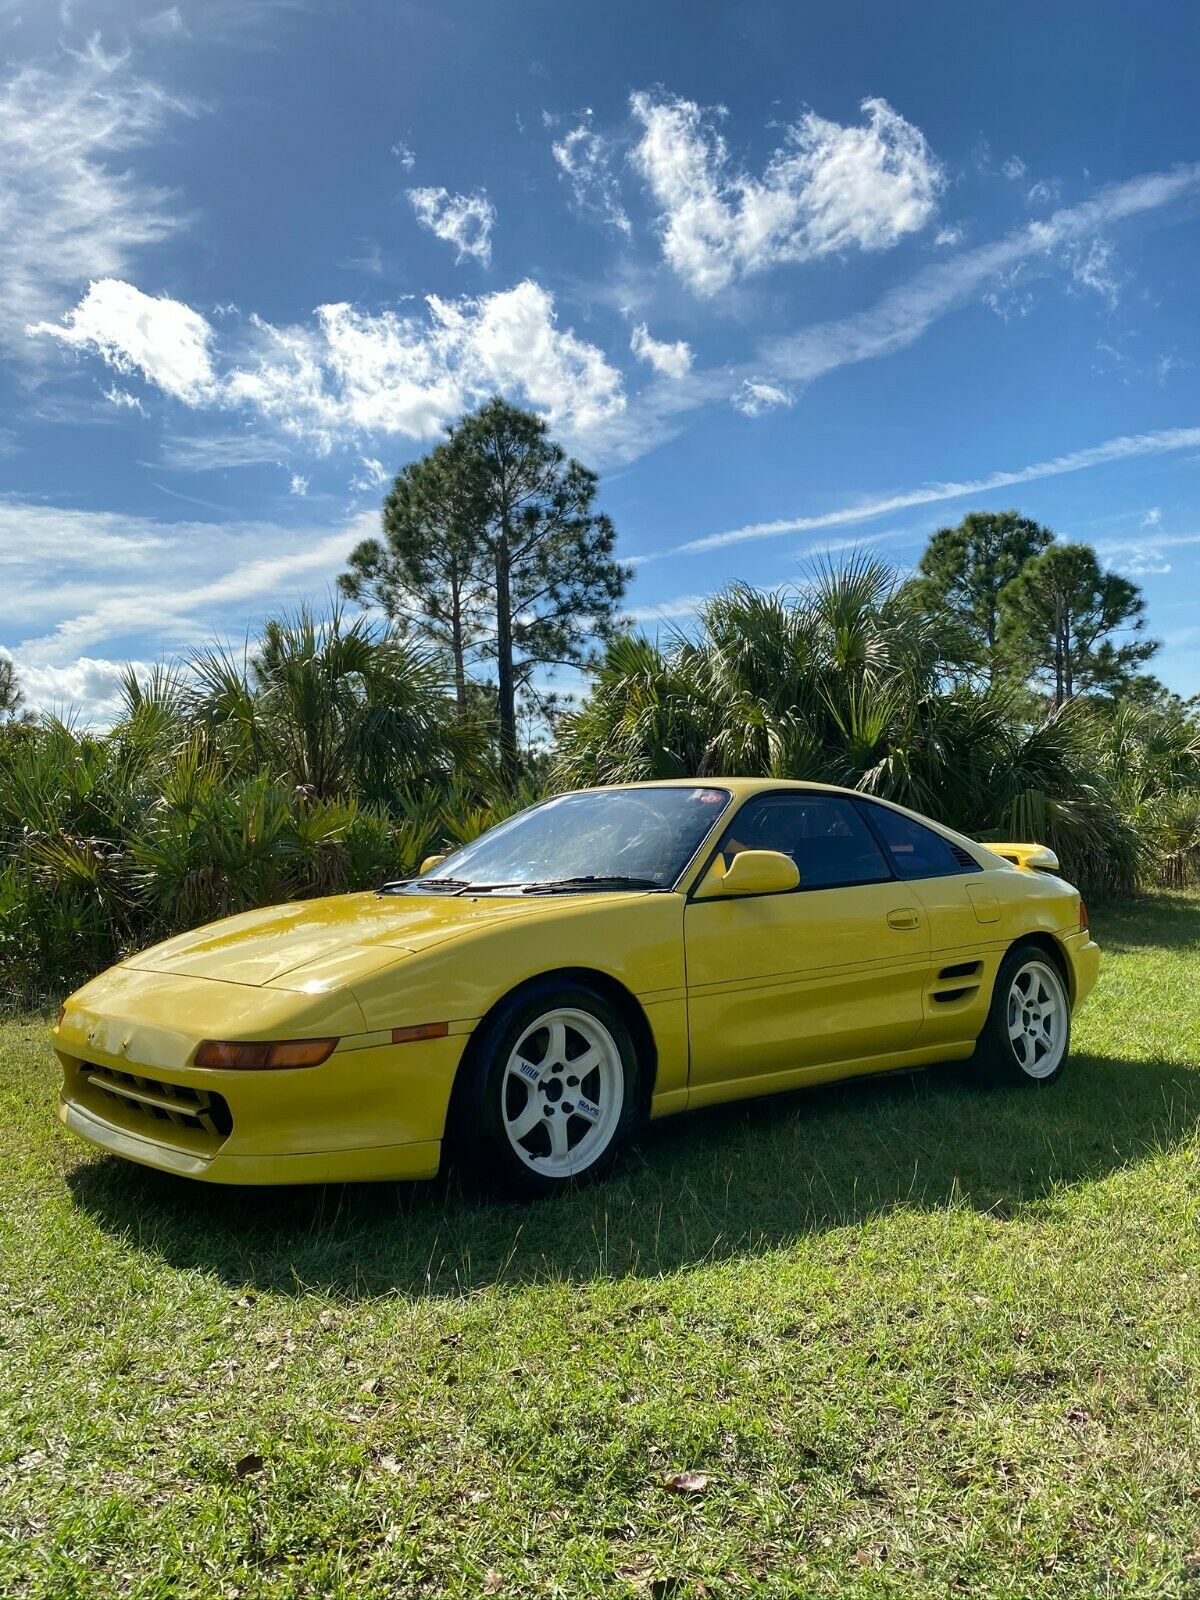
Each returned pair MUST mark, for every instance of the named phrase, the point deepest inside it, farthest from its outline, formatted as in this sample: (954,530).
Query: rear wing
(1029,857)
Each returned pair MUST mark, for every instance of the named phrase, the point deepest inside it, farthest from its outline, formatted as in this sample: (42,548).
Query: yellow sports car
(605,956)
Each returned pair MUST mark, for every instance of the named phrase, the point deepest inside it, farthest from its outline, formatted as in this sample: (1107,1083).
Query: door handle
(905,918)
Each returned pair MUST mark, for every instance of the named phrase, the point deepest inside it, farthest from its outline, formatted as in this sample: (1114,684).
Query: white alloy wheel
(1038,1017)
(563,1093)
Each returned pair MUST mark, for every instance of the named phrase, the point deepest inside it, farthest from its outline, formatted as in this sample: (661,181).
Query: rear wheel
(549,1093)
(1028,1030)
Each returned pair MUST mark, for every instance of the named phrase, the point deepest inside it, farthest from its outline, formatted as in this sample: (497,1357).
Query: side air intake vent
(963,857)
(965,969)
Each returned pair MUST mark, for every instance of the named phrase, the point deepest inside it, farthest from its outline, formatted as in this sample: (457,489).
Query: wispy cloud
(1122,449)
(178,581)
(684,605)
(754,397)
(463,220)
(585,159)
(217,452)
(123,400)
(902,315)
(70,209)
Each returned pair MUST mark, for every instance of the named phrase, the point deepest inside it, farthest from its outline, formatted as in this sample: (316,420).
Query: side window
(823,834)
(916,851)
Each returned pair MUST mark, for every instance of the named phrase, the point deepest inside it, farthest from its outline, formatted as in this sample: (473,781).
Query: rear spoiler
(1029,857)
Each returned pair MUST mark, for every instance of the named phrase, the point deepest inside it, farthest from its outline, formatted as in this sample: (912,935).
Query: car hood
(314,944)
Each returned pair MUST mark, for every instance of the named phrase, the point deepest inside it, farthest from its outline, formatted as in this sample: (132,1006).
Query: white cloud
(166,24)
(684,605)
(584,157)
(353,372)
(755,397)
(1153,517)
(1144,558)
(123,400)
(1125,448)
(1041,194)
(1095,269)
(1010,298)
(1013,169)
(673,360)
(164,340)
(1146,563)
(463,220)
(901,316)
(298,484)
(170,584)
(947,237)
(70,209)
(86,690)
(404,155)
(827,188)
(218,452)
(373,475)
(1167,364)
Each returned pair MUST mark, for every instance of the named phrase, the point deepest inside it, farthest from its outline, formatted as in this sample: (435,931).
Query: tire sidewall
(480,1135)
(997,1055)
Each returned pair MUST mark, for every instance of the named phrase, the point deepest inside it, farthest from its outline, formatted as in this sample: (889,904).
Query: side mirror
(429,863)
(750,872)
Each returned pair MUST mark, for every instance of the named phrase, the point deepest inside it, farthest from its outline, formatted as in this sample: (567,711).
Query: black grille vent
(963,857)
(198,1110)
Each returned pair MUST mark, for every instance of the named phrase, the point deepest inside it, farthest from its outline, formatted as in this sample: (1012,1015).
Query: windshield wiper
(591,880)
(426,883)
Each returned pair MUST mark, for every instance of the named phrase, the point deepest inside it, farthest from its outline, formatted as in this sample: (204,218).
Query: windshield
(606,838)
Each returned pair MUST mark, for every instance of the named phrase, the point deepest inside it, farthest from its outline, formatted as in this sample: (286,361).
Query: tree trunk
(1058,651)
(506,692)
(456,646)
(1068,672)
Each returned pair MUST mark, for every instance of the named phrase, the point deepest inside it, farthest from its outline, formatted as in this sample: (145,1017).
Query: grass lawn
(915,1338)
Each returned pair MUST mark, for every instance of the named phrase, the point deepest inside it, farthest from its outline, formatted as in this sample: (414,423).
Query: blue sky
(792,278)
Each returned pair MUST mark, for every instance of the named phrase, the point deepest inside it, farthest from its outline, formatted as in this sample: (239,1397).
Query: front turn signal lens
(1083,918)
(423,1030)
(264,1057)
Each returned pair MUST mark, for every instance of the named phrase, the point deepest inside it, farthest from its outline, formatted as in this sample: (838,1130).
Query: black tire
(483,1110)
(1031,970)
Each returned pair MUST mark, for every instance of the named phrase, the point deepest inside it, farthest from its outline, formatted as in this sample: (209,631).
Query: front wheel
(549,1092)
(1028,1030)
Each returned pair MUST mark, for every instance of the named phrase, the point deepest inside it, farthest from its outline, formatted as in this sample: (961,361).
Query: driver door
(829,973)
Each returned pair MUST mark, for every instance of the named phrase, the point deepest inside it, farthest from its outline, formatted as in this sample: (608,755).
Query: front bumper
(374,1110)
(1083,959)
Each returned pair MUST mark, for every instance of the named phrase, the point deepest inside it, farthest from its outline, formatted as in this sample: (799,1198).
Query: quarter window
(823,834)
(916,851)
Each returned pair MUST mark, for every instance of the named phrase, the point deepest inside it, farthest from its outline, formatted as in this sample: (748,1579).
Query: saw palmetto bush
(332,755)
(842,680)
(327,758)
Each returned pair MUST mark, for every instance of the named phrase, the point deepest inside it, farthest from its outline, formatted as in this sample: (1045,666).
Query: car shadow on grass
(721,1184)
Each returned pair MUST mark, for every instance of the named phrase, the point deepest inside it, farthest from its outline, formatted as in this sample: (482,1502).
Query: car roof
(738,786)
